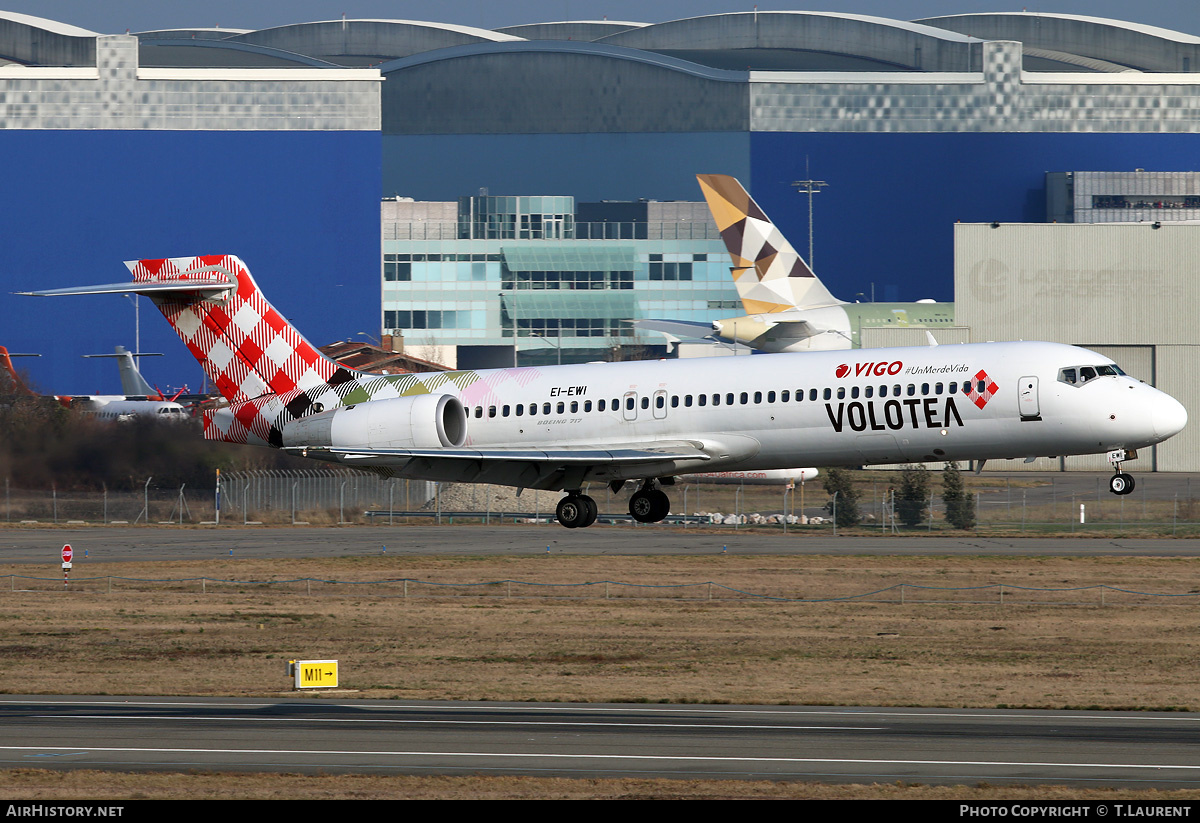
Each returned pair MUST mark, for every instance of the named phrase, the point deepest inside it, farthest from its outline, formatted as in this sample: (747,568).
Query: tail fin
(15,384)
(132,381)
(769,274)
(245,345)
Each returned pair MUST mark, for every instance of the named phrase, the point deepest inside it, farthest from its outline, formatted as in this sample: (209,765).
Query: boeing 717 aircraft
(788,307)
(561,427)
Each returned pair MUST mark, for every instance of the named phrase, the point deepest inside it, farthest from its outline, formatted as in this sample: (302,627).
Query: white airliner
(120,408)
(760,477)
(788,307)
(139,401)
(132,382)
(114,407)
(560,427)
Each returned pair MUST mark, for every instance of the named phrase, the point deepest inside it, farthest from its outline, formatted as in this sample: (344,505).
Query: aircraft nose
(1169,416)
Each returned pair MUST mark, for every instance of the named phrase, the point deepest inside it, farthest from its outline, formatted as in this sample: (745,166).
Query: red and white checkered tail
(246,347)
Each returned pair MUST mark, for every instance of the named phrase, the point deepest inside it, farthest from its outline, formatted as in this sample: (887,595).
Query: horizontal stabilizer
(163,289)
(793,330)
(683,329)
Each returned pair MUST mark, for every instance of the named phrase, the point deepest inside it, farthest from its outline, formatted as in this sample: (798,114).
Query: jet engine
(423,421)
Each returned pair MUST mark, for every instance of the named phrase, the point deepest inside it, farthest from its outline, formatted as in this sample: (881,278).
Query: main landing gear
(575,511)
(649,504)
(1120,482)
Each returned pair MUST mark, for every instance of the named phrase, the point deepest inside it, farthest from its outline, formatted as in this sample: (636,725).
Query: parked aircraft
(788,307)
(761,477)
(103,406)
(559,427)
(139,400)
(132,382)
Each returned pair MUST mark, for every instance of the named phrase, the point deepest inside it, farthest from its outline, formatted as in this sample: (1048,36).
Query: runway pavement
(939,746)
(116,544)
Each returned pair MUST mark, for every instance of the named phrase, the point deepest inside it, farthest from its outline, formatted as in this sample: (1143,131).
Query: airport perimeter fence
(992,594)
(324,496)
(1052,503)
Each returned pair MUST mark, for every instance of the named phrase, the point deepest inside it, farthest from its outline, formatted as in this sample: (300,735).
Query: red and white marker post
(67,554)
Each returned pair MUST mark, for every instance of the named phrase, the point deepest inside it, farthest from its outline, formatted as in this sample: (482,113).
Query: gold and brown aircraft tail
(769,274)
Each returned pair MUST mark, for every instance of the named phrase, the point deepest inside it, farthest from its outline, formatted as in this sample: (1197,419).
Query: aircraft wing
(529,468)
(683,329)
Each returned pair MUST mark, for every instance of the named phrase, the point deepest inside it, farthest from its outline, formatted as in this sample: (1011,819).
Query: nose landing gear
(1120,482)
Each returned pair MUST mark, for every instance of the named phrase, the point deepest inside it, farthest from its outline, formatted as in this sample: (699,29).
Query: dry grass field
(169,633)
(159,629)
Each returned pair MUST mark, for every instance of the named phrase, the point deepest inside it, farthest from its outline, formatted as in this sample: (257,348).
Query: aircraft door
(629,405)
(660,404)
(1027,398)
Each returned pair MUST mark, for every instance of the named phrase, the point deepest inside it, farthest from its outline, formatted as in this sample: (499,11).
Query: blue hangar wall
(887,215)
(588,167)
(885,220)
(300,208)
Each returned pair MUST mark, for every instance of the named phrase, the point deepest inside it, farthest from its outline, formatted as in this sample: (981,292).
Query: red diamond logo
(982,389)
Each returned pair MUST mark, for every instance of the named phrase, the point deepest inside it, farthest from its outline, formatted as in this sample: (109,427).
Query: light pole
(137,330)
(809,187)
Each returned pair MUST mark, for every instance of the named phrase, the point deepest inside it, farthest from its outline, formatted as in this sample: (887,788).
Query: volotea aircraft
(787,307)
(561,427)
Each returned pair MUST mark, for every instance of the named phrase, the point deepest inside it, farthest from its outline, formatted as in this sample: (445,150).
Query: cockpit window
(1078,375)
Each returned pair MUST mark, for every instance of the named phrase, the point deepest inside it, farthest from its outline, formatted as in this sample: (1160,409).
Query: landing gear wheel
(572,511)
(649,505)
(593,511)
(1121,483)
